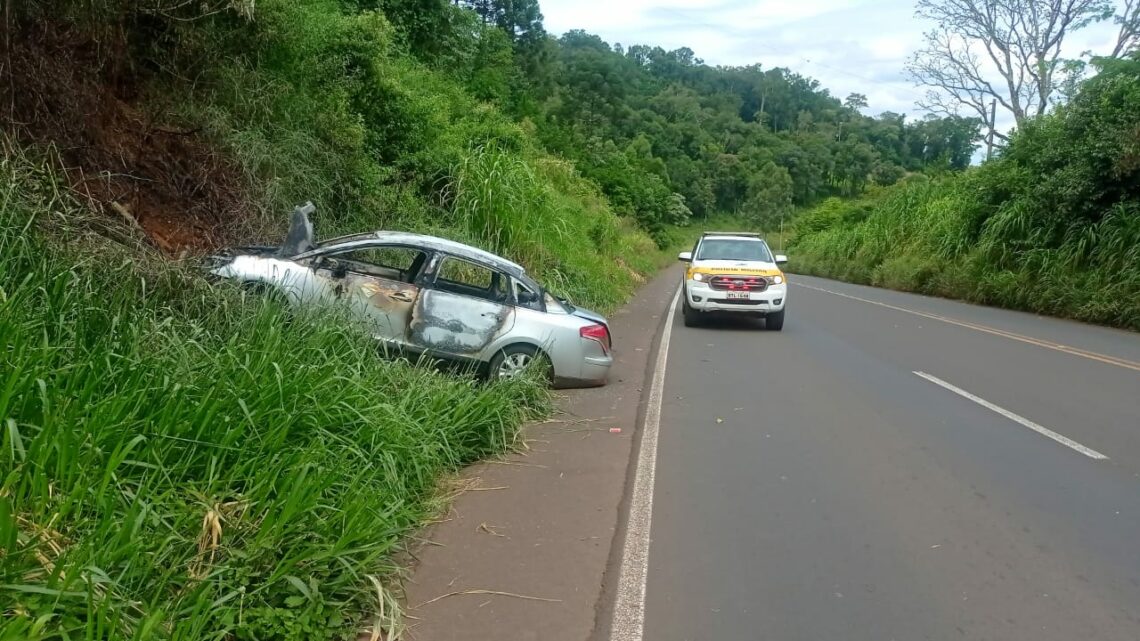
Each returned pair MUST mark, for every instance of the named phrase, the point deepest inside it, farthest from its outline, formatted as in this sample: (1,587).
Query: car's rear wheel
(514,360)
(774,322)
(691,316)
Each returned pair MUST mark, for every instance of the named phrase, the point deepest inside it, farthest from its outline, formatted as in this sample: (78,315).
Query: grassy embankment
(177,462)
(1050,226)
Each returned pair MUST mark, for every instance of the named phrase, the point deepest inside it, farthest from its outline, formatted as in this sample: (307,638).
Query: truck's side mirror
(781,259)
(685,257)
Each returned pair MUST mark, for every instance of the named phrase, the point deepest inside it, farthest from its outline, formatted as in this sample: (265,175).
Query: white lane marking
(1103,358)
(1044,431)
(629,611)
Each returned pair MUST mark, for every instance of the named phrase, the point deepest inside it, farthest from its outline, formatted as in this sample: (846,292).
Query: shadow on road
(735,322)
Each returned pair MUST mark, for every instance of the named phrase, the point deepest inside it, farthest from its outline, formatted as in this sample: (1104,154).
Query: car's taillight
(597,332)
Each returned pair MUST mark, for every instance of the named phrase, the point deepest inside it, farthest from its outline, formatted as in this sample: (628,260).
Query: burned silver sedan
(431,296)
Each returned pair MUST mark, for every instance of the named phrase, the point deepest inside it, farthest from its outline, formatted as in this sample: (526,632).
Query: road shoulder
(525,554)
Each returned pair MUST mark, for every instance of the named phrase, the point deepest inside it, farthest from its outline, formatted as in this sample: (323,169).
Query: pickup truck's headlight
(699,277)
(777,280)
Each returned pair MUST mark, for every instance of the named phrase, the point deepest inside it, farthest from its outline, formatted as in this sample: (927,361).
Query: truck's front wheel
(774,322)
(692,316)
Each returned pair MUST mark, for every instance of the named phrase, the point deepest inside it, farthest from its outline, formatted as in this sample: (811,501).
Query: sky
(850,46)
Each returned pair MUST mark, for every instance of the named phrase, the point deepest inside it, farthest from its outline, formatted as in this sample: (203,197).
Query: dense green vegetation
(1050,226)
(668,137)
(178,462)
(645,122)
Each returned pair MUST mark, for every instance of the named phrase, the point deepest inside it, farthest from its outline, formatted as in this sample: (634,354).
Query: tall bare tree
(1128,37)
(1003,50)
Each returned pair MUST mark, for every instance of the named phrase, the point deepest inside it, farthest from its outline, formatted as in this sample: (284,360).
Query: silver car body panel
(456,325)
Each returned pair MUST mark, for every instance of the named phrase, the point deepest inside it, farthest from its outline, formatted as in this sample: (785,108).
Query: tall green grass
(541,213)
(179,462)
(942,238)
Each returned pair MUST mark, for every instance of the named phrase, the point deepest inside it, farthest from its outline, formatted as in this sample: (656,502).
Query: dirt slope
(65,92)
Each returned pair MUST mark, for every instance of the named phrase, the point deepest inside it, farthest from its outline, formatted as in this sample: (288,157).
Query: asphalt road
(811,486)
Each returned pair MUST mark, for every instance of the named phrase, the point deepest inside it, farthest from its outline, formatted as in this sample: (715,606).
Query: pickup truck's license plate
(737,295)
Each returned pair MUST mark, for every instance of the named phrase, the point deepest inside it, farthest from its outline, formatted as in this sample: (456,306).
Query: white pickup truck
(734,273)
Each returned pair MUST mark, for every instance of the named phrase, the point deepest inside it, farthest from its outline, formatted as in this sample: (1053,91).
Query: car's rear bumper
(586,364)
(595,369)
(702,298)
(594,372)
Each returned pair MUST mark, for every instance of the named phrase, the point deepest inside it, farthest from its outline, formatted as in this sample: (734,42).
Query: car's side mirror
(685,257)
(527,298)
(781,259)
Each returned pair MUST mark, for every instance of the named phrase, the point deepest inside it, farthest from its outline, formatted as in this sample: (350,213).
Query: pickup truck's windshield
(734,249)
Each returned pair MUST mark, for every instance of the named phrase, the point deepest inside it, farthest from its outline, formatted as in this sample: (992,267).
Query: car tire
(691,316)
(512,360)
(774,322)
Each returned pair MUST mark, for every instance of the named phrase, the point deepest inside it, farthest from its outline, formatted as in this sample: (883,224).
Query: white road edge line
(629,611)
(1063,440)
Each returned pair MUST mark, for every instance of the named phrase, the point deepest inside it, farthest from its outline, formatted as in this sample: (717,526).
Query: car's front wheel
(513,360)
(775,321)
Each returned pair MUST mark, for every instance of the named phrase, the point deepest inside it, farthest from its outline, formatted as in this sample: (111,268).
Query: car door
(378,284)
(463,307)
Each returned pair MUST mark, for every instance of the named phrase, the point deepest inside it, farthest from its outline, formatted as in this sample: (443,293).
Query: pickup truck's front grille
(739,283)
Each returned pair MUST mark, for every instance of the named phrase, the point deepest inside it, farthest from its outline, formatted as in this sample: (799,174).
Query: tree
(855,101)
(521,19)
(854,161)
(1128,37)
(943,143)
(493,62)
(419,22)
(1003,50)
(769,196)
(1084,157)
(886,174)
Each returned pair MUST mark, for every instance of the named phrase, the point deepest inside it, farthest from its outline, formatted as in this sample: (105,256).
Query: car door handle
(401,296)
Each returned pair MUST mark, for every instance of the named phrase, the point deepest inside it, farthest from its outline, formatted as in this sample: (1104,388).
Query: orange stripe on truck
(732,270)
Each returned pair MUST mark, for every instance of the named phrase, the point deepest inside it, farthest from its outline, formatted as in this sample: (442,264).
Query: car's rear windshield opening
(734,249)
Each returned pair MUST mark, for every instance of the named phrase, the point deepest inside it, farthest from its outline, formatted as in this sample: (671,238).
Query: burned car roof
(427,242)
